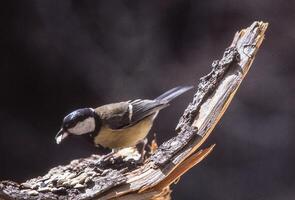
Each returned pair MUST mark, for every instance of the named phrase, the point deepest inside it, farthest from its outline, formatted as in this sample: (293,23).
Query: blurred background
(57,56)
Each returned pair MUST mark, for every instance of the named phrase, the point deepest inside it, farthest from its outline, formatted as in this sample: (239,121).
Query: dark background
(57,56)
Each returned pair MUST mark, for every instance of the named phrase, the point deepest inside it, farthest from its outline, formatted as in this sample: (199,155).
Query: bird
(117,125)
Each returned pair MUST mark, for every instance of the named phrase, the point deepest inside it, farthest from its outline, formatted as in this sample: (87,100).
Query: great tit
(117,125)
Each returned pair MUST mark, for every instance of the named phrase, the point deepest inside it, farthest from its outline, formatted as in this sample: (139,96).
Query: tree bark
(124,176)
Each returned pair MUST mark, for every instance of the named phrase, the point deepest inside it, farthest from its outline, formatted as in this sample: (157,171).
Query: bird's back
(114,109)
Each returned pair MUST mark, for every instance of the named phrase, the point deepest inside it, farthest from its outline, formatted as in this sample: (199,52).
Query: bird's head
(78,122)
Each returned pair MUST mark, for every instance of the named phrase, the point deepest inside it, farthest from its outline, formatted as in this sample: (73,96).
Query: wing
(143,108)
(124,114)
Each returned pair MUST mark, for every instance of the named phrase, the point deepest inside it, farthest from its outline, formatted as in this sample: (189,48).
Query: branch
(125,177)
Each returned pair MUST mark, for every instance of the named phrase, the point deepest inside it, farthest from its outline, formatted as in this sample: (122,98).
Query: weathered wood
(126,177)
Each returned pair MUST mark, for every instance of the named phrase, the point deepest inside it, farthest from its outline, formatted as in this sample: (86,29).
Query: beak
(60,136)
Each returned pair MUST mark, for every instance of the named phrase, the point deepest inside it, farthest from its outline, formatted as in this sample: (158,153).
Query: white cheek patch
(86,126)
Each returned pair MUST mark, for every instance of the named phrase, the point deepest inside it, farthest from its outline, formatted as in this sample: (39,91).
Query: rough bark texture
(125,176)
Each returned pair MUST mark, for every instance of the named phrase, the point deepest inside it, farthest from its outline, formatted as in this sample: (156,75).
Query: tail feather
(173,93)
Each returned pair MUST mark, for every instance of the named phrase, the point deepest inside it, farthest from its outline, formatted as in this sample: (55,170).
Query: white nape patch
(86,126)
(130,107)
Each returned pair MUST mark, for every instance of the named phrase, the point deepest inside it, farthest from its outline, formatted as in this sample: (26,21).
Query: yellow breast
(127,137)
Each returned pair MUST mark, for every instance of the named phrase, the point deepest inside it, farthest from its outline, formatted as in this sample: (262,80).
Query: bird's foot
(123,158)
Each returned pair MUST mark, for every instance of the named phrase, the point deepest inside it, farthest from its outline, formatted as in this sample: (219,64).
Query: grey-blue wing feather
(144,108)
(124,114)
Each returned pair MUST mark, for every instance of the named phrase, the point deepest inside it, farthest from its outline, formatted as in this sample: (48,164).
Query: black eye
(69,120)
(66,124)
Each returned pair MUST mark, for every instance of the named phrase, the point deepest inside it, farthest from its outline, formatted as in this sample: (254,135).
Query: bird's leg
(111,154)
(141,149)
(106,154)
